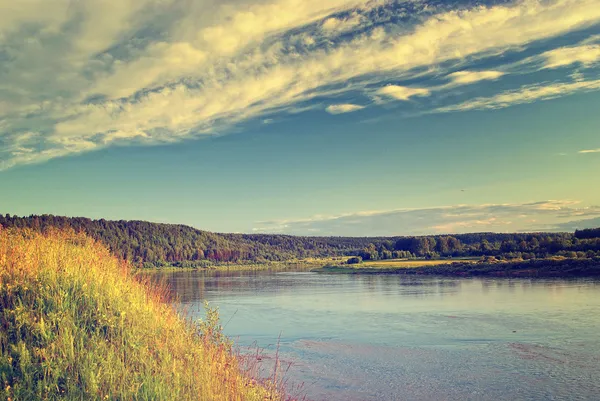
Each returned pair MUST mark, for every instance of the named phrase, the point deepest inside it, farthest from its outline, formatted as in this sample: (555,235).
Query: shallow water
(351,337)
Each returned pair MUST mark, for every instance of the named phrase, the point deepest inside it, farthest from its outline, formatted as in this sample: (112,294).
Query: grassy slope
(75,324)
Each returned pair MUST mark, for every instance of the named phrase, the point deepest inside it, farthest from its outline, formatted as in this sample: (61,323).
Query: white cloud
(526,94)
(48,14)
(554,205)
(589,151)
(594,39)
(338,25)
(402,92)
(160,63)
(470,225)
(121,135)
(212,65)
(470,77)
(252,22)
(343,108)
(438,220)
(564,56)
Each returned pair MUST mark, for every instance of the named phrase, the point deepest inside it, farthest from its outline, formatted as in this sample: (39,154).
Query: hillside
(76,325)
(154,244)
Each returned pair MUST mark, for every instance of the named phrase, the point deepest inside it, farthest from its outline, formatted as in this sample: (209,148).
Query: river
(386,337)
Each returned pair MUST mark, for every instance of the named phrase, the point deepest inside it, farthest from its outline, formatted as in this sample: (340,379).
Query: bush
(354,260)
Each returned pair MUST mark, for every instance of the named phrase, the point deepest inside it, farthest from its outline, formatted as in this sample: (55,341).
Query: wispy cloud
(343,108)
(81,76)
(337,25)
(438,220)
(589,151)
(526,94)
(571,226)
(564,56)
(402,92)
(470,77)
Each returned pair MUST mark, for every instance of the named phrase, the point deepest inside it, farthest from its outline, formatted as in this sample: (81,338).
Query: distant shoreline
(529,268)
(165,246)
(278,265)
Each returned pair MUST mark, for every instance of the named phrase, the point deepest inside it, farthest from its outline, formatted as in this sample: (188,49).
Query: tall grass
(75,324)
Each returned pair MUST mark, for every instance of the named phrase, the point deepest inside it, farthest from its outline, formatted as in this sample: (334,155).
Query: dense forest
(584,244)
(153,244)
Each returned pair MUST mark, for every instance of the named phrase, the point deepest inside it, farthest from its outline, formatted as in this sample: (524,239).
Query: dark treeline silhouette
(588,233)
(154,244)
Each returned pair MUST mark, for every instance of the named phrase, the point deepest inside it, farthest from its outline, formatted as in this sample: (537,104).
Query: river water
(386,337)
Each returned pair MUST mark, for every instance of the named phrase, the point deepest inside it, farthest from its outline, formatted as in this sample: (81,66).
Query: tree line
(156,244)
(503,246)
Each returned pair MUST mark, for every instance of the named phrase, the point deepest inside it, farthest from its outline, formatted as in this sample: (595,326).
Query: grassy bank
(75,324)
(530,268)
(292,265)
(408,263)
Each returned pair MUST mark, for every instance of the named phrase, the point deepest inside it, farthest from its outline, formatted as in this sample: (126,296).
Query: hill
(76,325)
(155,244)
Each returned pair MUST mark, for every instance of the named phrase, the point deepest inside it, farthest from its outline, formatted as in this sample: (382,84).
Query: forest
(155,244)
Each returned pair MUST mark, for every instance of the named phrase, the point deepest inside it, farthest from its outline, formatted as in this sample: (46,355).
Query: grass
(75,324)
(408,263)
(294,265)
(550,267)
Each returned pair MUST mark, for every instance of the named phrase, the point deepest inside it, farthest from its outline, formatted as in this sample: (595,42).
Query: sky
(305,117)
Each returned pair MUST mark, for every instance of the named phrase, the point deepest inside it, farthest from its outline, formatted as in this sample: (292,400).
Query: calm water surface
(352,337)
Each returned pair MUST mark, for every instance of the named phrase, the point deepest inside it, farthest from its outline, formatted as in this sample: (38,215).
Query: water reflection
(190,286)
(405,337)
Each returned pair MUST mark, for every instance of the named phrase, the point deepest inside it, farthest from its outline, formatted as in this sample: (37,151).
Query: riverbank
(528,268)
(291,265)
(76,324)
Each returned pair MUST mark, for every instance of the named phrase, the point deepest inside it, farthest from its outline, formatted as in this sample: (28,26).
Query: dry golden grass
(75,324)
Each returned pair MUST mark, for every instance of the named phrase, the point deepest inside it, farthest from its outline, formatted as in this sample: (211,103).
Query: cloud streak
(550,214)
(470,77)
(524,95)
(343,108)
(82,76)
(565,56)
(402,92)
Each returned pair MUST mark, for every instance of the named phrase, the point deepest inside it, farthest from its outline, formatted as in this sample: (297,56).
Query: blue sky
(304,117)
